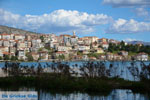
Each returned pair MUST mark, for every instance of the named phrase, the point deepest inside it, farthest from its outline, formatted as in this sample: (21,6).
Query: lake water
(126,70)
(121,69)
(117,94)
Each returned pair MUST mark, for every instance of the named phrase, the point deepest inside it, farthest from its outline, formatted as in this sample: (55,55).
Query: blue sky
(118,19)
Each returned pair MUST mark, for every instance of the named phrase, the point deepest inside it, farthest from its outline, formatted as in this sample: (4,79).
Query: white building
(142,57)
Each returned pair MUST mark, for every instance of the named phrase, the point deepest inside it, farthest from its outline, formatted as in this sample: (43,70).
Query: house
(80,41)
(102,57)
(5,36)
(82,47)
(59,53)
(64,48)
(12,36)
(76,57)
(105,45)
(21,54)
(102,40)
(142,57)
(123,53)
(21,45)
(1,53)
(85,57)
(1,42)
(4,49)
(72,52)
(98,50)
(19,37)
(28,37)
(9,54)
(12,50)
(110,56)
(37,43)
(117,57)
(91,39)
(92,58)
(66,39)
(85,52)
(12,43)
(6,43)
(43,55)
(95,45)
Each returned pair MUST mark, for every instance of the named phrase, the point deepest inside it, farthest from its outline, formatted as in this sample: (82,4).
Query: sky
(126,20)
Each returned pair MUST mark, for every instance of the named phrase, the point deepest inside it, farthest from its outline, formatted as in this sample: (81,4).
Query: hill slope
(10,30)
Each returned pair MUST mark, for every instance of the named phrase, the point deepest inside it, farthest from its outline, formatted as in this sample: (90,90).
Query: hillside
(139,42)
(10,30)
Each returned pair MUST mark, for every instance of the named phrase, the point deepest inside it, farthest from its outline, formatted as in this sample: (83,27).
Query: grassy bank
(67,83)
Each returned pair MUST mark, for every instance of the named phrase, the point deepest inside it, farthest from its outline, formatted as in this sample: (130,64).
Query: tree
(96,55)
(42,38)
(29,57)
(40,49)
(62,57)
(79,53)
(6,57)
(14,58)
(1,58)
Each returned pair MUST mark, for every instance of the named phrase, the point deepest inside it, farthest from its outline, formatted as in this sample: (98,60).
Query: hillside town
(50,47)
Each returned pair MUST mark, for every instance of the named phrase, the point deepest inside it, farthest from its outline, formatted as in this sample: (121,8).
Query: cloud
(141,12)
(56,21)
(127,3)
(128,26)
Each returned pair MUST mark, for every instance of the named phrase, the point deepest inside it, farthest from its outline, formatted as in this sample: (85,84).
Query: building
(21,54)
(98,50)
(105,45)
(123,53)
(141,57)
(5,36)
(82,47)
(43,55)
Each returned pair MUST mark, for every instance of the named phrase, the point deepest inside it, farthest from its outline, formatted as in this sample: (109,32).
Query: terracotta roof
(5,34)
(60,52)
(6,53)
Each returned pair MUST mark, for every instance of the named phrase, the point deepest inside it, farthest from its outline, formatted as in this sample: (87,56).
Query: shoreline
(80,61)
(66,83)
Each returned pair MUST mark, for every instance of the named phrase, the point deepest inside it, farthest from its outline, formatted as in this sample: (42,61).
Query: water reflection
(117,94)
(114,95)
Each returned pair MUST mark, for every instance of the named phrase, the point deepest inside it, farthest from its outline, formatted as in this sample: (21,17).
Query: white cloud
(128,26)
(127,3)
(142,12)
(56,21)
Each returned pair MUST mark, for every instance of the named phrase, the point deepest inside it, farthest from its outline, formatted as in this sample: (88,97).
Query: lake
(127,70)
(124,69)
(117,94)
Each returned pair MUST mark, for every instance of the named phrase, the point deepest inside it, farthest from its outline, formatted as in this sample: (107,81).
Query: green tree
(1,58)
(29,57)
(61,57)
(42,38)
(13,58)
(79,53)
(40,49)
(6,57)
(94,55)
